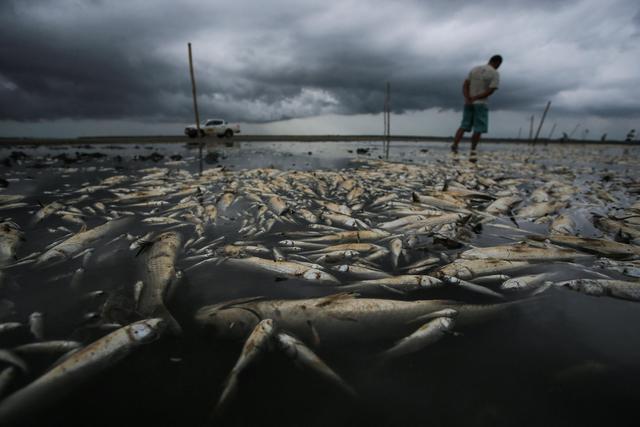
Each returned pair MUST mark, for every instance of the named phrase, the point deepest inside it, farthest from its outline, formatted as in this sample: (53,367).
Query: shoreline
(166,139)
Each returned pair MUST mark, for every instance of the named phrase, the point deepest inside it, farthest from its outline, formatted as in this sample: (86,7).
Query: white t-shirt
(482,78)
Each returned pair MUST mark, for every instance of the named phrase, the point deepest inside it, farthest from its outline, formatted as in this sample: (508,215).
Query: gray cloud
(261,62)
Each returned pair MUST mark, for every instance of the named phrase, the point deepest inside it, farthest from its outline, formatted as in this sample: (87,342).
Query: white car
(217,127)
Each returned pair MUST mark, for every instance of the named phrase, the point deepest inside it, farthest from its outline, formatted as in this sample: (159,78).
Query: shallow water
(561,359)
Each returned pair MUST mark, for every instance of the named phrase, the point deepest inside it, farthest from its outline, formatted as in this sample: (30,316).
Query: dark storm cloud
(258,61)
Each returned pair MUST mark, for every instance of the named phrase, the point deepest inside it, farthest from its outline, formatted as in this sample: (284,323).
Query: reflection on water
(562,358)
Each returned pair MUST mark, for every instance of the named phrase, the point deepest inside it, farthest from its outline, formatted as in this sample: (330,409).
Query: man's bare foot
(473,157)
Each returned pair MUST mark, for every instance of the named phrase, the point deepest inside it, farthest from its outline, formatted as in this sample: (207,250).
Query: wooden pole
(552,130)
(195,104)
(531,129)
(384,131)
(574,130)
(388,119)
(544,114)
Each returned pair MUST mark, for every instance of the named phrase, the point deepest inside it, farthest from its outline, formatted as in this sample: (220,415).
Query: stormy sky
(97,67)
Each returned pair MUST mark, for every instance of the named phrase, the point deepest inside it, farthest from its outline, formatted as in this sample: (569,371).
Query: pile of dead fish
(396,253)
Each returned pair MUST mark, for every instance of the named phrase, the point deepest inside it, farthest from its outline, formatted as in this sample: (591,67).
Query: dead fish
(427,225)
(468,269)
(336,318)
(384,199)
(629,268)
(8,327)
(10,198)
(36,325)
(10,238)
(502,205)
(401,222)
(363,248)
(563,224)
(344,220)
(395,248)
(603,247)
(81,241)
(159,278)
(304,357)
(538,210)
(360,272)
(350,236)
(600,287)
(442,202)
(13,206)
(334,207)
(225,201)
(288,269)
(256,344)
(404,283)
(47,347)
(527,283)
(277,205)
(429,333)
(617,227)
(45,212)
(522,252)
(81,367)
(162,220)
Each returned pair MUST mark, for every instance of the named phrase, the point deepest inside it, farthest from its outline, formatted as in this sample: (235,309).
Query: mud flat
(86,225)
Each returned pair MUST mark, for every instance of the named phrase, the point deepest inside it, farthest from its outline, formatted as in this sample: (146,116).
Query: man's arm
(484,94)
(465,91)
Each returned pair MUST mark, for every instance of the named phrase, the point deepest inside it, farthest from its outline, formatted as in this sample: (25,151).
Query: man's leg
(456,140)
(475,138)
(465,126)
(480,126)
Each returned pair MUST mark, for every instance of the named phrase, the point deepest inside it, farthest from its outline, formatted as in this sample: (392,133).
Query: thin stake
(574,130)
(195,104)
(552,130)
(388,120)
(384,130)
(544,114)
(531,130)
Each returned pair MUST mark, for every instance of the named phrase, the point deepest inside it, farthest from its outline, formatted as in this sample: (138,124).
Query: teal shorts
(475,116)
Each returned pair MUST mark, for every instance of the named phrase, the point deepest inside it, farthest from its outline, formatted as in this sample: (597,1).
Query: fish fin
(144,245)
(391,289)
(314,334)
(542,288)
(434,314)
(324,301)
(237,301)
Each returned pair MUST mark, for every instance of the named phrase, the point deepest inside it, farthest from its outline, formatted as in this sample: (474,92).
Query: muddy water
(561,359)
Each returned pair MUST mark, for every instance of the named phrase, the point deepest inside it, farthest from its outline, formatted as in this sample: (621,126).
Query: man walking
(483,80)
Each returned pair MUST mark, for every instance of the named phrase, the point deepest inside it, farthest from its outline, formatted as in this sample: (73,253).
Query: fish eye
(141,331)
